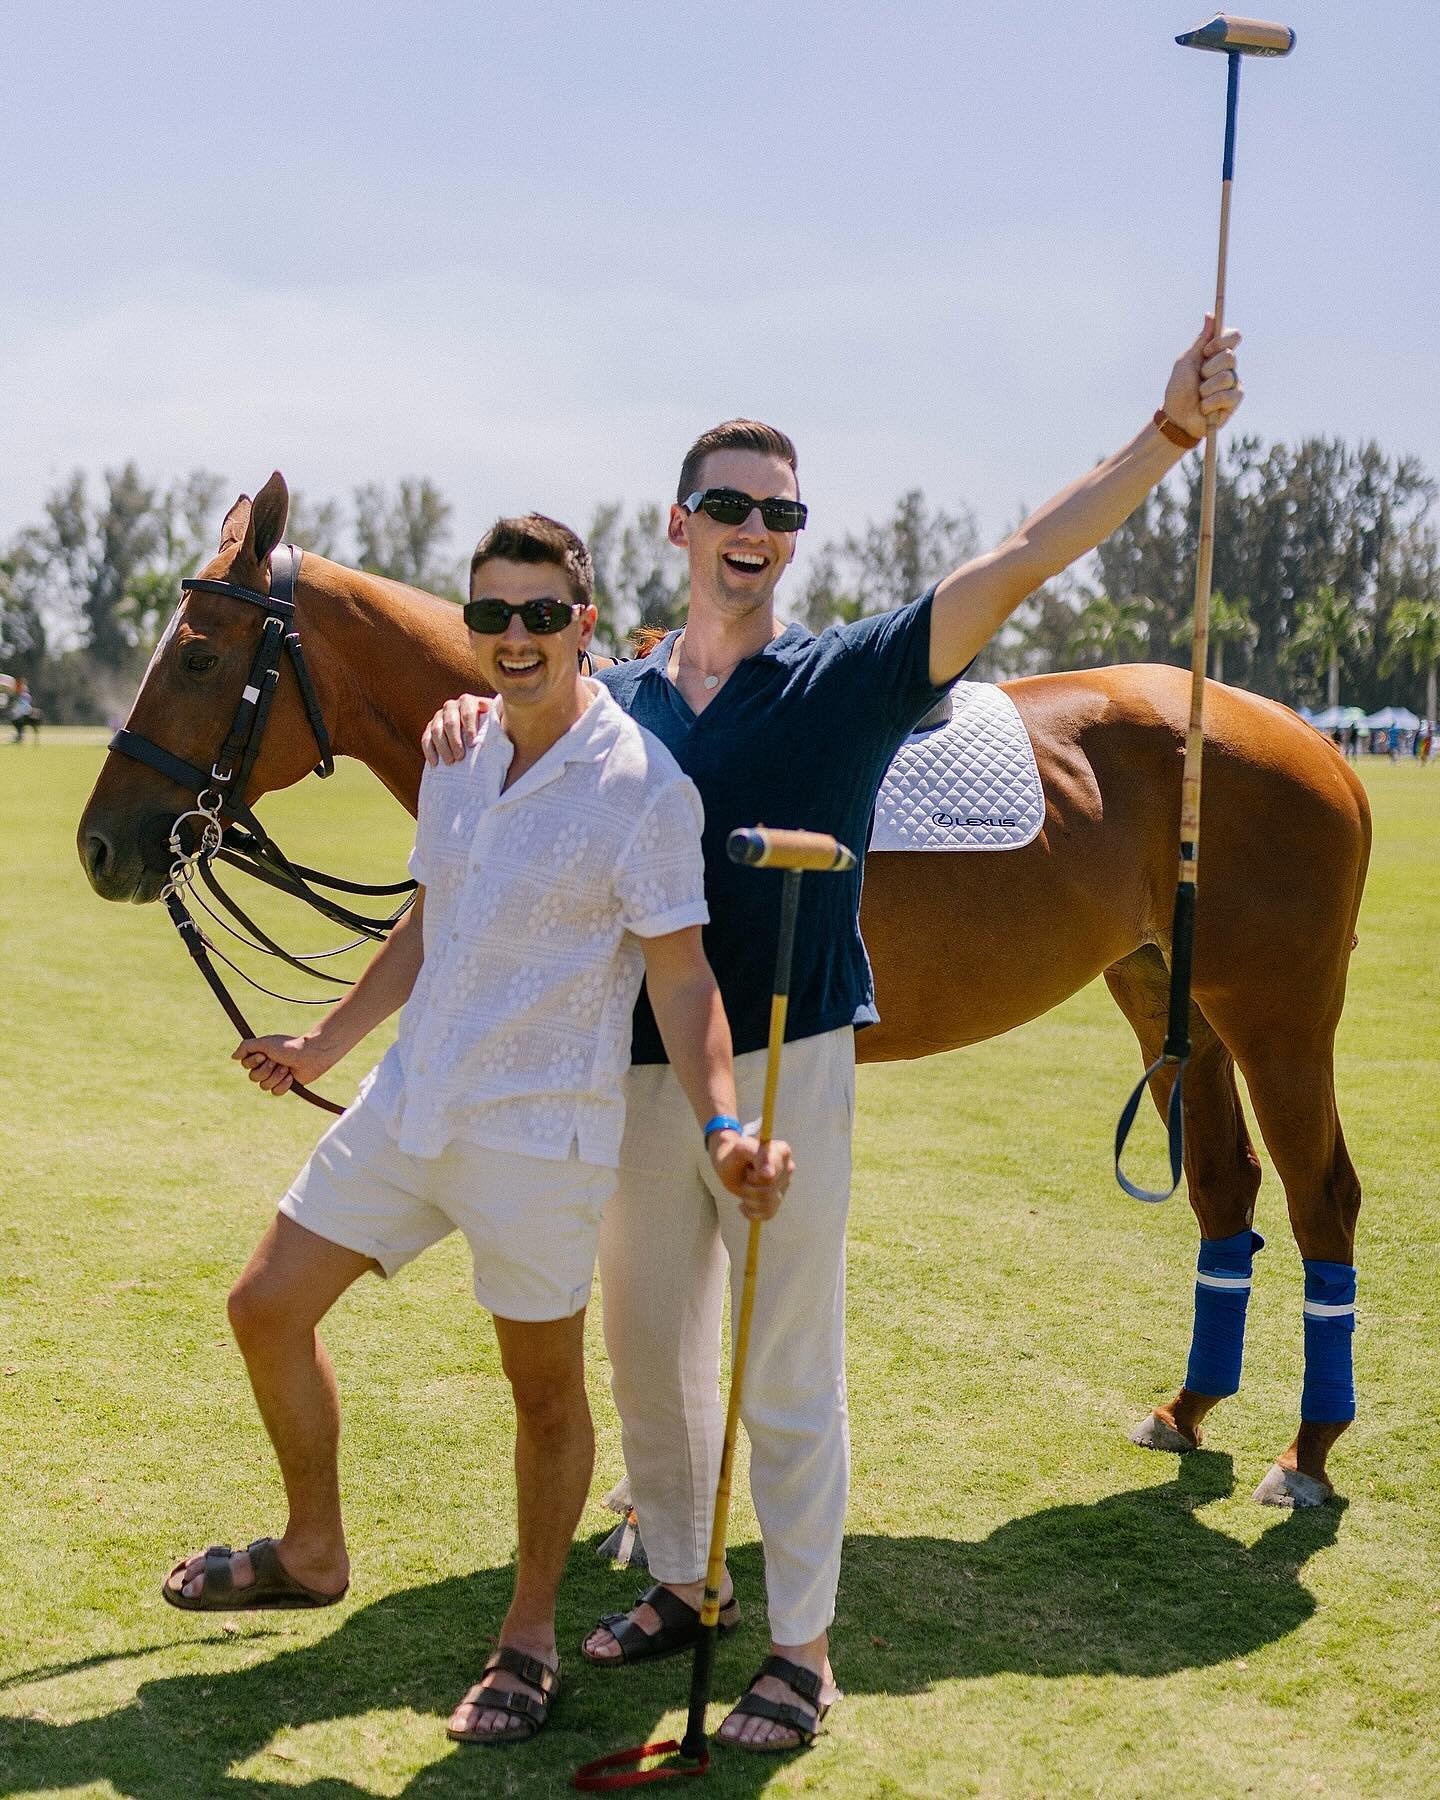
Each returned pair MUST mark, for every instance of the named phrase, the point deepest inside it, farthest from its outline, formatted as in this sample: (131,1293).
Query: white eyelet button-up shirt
(517,1032)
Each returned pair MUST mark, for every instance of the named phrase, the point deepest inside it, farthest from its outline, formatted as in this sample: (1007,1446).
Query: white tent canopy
(1391,718)
(1334,716)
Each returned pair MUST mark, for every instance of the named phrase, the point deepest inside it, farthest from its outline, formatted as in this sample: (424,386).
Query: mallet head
(1244,37)
(764,847)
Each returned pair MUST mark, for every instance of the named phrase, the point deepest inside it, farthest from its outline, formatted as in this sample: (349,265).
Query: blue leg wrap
(1328,1395)
(1222,1293)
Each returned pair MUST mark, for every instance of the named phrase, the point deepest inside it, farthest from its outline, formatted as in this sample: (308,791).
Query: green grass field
(1030,1606)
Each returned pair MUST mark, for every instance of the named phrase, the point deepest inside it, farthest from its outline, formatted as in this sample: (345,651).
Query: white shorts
(531,1223)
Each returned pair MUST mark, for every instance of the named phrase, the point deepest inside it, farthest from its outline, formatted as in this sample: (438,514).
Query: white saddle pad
(971,784)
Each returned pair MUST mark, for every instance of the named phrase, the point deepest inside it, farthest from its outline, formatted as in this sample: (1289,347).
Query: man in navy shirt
(778,726)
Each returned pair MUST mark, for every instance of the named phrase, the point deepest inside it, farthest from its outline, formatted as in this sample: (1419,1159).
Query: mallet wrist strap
(721,1122)
(1177,434)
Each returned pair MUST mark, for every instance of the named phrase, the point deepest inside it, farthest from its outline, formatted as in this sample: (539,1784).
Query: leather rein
(245,844)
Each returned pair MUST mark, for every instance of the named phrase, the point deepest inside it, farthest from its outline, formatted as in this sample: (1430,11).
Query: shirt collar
(587,740)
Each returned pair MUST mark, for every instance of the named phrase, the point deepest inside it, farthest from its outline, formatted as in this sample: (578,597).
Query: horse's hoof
(1288,1487)
(1152,1433)
(618,1499)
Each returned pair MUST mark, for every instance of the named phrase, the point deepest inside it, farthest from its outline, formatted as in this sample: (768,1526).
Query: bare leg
(289,1284)
(554,1459)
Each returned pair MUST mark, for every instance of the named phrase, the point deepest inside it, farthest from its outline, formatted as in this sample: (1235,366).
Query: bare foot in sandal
(522,1678)
(786,1701)
(270,1572)
(663,1622)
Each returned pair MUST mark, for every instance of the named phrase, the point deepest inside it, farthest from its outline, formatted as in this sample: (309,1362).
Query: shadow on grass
(1135,1585)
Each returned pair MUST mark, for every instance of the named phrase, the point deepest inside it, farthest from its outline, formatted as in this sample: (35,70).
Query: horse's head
(186,703)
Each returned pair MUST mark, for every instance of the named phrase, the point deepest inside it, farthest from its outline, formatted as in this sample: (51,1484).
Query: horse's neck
(386,657)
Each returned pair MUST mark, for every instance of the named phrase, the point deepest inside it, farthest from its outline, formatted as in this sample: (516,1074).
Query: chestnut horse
(1287,839)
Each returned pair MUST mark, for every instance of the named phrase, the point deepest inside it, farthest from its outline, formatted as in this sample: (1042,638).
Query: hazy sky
(530,250)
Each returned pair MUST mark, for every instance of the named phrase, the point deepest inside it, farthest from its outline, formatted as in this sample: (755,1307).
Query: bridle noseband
(221,793)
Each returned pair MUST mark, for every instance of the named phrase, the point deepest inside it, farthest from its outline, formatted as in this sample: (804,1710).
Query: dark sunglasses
(539,617)
(728,506)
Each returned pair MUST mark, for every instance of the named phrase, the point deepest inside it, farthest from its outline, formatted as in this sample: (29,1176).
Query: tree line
(1327,575)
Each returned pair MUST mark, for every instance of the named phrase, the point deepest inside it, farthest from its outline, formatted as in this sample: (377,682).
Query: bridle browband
(220,794)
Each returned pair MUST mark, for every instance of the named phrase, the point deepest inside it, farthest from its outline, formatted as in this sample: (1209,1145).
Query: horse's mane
(644,638)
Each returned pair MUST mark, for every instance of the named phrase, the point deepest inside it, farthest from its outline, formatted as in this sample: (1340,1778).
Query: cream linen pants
(665,1238)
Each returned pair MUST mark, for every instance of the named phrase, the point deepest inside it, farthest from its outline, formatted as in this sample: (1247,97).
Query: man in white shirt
(559,862)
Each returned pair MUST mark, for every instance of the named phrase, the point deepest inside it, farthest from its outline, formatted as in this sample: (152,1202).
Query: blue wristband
(721,1122)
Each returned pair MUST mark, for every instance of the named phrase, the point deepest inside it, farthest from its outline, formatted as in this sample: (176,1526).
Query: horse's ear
(238,517)
(267,517)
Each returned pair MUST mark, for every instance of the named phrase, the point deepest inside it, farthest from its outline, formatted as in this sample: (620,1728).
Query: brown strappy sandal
(679,1629)
(273,1589)
(751,1705)
(532,1710)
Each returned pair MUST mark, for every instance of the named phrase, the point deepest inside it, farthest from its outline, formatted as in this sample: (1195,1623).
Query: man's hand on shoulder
(450,736)
(757,1174)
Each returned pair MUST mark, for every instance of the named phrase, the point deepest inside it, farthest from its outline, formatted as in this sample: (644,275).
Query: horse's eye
(198,662)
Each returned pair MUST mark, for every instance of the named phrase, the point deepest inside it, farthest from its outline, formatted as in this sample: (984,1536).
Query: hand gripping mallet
(1234,38)
(794,852)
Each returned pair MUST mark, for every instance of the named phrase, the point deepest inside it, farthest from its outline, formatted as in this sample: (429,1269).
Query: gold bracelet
(1177,434)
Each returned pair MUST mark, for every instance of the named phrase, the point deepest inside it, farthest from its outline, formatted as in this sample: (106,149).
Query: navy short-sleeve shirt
(800,736)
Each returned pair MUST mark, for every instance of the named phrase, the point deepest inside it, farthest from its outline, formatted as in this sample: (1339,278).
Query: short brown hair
(734,434)
(535,539)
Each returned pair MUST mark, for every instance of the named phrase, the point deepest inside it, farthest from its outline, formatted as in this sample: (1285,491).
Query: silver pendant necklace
(708,681)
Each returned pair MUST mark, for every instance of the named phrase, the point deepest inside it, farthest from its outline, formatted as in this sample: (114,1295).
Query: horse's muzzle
(123,864)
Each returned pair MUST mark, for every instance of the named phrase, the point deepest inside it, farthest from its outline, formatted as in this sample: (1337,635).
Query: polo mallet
(1234,38)
(793,852)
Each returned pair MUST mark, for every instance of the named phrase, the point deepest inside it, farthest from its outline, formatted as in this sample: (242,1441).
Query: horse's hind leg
(1222,1176)
(1292,1088)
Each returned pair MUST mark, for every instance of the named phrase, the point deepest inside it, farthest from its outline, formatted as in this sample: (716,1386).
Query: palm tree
(1413,637)
(1230,623)
(1327,629)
